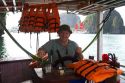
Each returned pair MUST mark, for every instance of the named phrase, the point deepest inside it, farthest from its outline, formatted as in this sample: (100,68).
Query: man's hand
(42,54)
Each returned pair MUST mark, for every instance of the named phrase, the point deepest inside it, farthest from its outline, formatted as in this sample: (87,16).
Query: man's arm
(79,53)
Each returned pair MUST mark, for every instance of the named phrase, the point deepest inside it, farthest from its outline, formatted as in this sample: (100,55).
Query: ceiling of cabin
(75,6)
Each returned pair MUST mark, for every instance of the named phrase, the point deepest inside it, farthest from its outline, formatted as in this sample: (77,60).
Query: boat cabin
(18,71)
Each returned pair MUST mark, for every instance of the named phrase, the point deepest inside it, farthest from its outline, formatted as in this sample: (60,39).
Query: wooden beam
(14,4)
(4,2)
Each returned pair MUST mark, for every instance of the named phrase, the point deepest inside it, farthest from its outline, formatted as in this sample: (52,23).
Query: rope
(37,42)
(104,21)
(122,66)
(49,36)
(30,41)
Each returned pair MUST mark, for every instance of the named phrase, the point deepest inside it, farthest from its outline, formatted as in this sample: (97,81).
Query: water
(10,51)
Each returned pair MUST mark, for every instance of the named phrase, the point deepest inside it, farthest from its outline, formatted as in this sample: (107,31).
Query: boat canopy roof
(84,7)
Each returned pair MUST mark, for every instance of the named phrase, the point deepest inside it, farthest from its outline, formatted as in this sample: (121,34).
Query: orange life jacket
(53,17)
(40,21)
(24,21)
(94,71)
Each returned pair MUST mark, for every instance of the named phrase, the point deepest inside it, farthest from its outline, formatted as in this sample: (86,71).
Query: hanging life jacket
(40,17)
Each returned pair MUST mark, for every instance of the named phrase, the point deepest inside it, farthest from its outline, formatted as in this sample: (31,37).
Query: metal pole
(99,38)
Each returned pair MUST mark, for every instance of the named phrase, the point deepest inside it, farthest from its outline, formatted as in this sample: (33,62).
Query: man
(62,47)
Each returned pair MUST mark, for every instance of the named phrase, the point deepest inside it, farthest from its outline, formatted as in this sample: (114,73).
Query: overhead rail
(79,6)
(100,5)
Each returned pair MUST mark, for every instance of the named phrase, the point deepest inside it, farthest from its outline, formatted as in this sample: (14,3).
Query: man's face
(64,35)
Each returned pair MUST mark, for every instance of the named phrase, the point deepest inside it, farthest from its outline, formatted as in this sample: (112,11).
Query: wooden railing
(15,71)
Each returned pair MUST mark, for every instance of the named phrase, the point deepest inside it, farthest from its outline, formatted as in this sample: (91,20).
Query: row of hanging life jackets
(40,18)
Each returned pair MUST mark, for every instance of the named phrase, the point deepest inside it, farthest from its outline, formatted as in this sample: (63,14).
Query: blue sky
(12,19)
